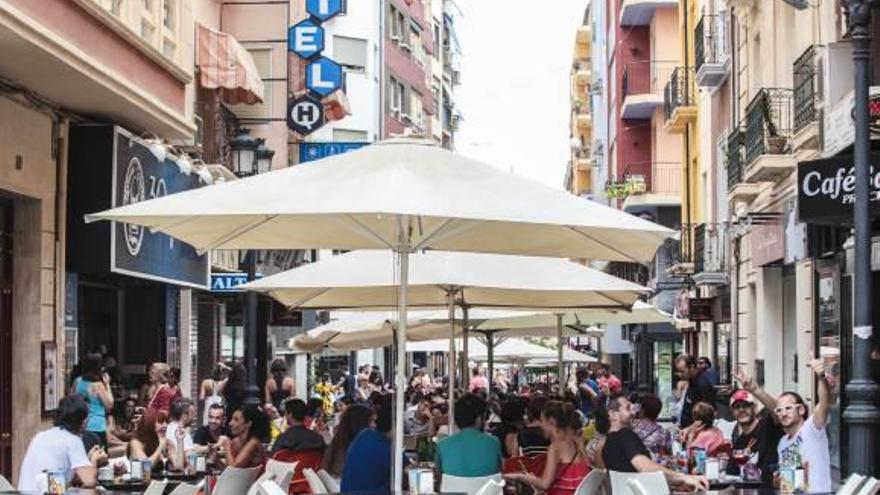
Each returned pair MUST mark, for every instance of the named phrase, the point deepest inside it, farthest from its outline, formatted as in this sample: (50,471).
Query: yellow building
(578,177)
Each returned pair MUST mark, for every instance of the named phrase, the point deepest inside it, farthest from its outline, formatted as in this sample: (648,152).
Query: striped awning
(226,66)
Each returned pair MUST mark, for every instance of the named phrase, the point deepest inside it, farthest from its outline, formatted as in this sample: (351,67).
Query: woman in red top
(567,463)
(167,392)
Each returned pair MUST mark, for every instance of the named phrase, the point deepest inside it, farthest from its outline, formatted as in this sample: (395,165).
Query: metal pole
(465,356)
(451,364)
(861,414)
(252,391)
(400,382)
(490,354)
(560,364)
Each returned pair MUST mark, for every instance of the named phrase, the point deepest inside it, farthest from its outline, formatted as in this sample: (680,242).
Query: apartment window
(435,93)
(396,97)
(396,23)
(416,111)
(116,8)
(169,14)
(401,25)
(436,39)
(351,53)
(148,32)
(263,61)
(350,135)
(149,5)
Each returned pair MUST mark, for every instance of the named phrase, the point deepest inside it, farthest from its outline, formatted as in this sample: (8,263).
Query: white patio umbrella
(403,195)
(509,350)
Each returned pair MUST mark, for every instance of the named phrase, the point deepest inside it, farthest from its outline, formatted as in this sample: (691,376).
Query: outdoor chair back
(851,485)
(636,487)
(330,482)
(185,489)
(270,488)
(235,481)
(593,484)
(531,464)
(310,459)
(5,485)
(156,487)
(284,472)
(315,483)
(871,487)
(492,487)
(467,485)
(653,483)
(255,487)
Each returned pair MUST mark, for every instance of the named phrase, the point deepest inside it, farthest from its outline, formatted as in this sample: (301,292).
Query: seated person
(148,440)
(470,452)
(250,430)
(208,435)
(417,418)
(61,449)
(701,434)
(367,466)
(297,437)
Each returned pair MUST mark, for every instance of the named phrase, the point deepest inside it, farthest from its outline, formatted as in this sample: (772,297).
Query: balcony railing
(685,248)
(710,248)
(646,178)
(735,157)
(680,90)
(804,77)
(768,123)
(646,76)
(709,41)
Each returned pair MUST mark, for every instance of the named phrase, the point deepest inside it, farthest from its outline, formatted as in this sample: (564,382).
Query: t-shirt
(413,424)
(55,449)
(479,382)
(610,383)
(298,438)
(469,453)
(621,447)
(367,465)
(699,389)
(203,435)
(764,440)
(811,445)
(171,436)
(349,386)
(584,398)
(532,441)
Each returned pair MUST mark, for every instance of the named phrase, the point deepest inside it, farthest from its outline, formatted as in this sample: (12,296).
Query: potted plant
(776,144)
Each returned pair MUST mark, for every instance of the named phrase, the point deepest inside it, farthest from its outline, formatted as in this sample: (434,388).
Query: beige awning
(226,66)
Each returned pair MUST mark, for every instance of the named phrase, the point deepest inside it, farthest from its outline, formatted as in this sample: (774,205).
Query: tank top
(97,419)
(569,475)
(279,394)
(210,400)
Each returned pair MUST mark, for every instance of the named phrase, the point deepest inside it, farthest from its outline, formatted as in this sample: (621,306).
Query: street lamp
(244,153)
(861,414)
(249,157)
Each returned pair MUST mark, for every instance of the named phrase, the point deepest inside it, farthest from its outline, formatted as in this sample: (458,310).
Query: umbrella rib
(362,229)
(308,297)
(244,229)
(606,296)
(604,244)
(444,232)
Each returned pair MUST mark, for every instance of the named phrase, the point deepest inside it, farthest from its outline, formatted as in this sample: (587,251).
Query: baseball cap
(741,395)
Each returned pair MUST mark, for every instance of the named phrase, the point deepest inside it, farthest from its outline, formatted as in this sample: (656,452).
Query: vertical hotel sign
(306,39)
(134,250)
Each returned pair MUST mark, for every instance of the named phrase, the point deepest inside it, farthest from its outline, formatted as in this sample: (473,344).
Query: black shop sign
(826,189)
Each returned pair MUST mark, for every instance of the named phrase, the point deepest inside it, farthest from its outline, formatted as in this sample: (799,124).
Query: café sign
(826,189)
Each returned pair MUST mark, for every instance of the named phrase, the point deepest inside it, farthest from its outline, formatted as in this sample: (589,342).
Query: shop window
(351,53)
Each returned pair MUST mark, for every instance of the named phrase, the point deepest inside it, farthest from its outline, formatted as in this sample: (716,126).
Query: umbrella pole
(400,382)
(490,353)
(560,367)
(450,299)
(465,373)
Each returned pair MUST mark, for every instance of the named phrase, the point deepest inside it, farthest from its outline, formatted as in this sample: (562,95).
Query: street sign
(315,151)
(227,282)
(324,9)
(306,39)
(305,114)
(323,76)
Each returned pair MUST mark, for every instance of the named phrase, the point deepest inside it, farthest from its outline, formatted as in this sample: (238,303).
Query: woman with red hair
(148,440)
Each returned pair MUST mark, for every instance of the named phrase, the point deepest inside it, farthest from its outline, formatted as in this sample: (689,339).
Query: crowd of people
(543,437)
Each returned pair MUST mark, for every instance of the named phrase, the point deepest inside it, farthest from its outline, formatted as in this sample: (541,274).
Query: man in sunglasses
(755,436)
(805,440)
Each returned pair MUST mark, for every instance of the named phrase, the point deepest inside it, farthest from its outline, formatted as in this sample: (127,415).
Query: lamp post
(861,414)
(250,157)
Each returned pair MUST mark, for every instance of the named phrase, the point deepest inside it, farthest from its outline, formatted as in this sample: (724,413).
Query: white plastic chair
(255,487)
(316,486)
(492,487)
(871,486)
(270,488)
(468,485)
(593,484)
(652,483)
(331,483)
(185,489)
(156,487)
(851,485)
(284,472)
(5,485)
(235,481)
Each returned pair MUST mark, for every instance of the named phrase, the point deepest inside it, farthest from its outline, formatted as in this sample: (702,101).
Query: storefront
(131,289)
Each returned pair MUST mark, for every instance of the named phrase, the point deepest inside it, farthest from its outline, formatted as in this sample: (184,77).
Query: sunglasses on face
(782,409)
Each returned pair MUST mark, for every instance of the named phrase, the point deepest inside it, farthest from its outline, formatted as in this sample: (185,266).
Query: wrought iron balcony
(642,87)
(735,149)
(679,98)
(710,47)
(710,254)
(647,178)
(768,123)
(804,77)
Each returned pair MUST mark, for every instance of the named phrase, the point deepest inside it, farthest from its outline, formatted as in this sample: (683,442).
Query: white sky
(514,94)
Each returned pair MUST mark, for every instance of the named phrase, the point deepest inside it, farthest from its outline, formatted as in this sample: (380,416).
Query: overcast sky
(514,92)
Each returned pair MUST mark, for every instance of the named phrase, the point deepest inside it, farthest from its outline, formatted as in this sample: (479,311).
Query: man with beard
(805,442)
(755,432)
(699,388)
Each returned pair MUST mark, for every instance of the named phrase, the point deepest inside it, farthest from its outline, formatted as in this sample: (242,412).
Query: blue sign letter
(324,76)
(324,9)
(306,39)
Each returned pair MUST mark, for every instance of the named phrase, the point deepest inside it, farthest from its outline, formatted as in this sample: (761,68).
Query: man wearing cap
(756,432)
